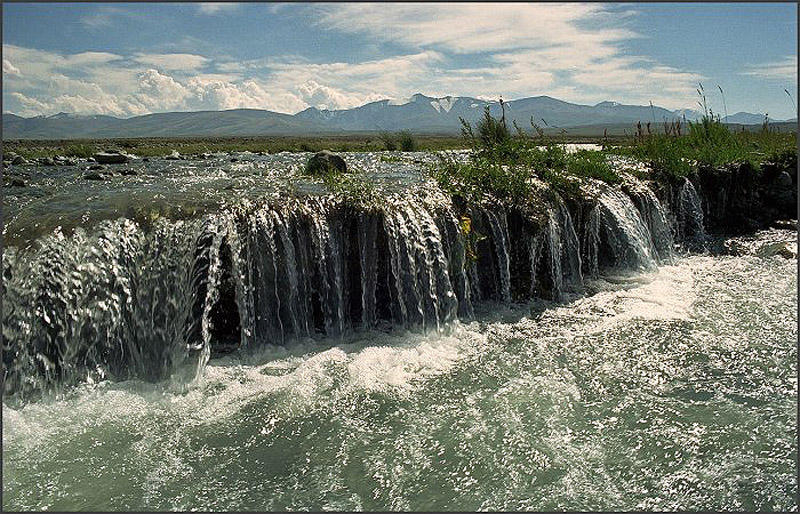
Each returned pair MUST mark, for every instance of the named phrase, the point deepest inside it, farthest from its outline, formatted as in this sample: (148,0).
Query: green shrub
(492,133)
(502,165)
(353,189)
(407,141)
(389,141)
(77,150)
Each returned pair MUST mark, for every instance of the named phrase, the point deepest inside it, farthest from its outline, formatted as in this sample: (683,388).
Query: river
(669,387)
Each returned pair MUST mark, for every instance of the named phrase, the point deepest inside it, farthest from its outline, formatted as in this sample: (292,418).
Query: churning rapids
(225,336)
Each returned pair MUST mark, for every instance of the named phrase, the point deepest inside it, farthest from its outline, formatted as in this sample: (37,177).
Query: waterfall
(119,302)
(616,235)
(555,253)
(155,302)
(690,227)
(656,220)
(499,229)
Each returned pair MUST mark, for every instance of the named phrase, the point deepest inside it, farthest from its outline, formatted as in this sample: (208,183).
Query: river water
(673,387)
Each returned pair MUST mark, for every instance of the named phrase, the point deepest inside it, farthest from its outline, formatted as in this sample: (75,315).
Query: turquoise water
(675,389)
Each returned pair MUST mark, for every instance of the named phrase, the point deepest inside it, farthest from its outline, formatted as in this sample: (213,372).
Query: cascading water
(557,252)
(120,302)
(129,302)
(657,221)
(616,235)
(690,227)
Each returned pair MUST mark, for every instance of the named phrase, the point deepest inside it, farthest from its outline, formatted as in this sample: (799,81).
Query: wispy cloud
(785,69)
(529,47)
(216,7)
(104,17)
(172,62)
(470,28)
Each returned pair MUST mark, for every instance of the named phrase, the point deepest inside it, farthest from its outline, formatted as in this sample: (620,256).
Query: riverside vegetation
(505,165)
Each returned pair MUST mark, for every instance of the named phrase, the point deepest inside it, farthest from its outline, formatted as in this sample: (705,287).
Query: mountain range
(419,113)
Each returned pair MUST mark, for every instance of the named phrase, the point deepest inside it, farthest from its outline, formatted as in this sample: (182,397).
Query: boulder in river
(16,182)
(785,249)
(93,175)
(111,157)
(174,156)
(325,162)
(64,161)
(47,161)
(18,160)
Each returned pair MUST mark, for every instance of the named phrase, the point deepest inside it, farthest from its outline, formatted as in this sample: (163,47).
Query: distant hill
(419,113)
(744,118)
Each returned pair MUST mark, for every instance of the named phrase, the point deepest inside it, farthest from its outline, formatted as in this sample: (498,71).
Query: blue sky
(129,59)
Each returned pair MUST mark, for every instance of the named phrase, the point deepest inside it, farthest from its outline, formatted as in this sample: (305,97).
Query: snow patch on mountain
(443,104)
(400,101)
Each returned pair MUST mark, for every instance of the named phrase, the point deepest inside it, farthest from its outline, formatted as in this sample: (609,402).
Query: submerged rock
(16,182)
(61,160)
(93,175)
(325,162)
(111,157)
(785,249)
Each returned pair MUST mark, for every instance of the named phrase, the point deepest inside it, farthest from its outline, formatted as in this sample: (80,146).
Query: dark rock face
(325,162)
(111,158)
(738,198)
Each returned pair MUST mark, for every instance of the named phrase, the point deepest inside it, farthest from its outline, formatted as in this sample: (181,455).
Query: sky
(126,59)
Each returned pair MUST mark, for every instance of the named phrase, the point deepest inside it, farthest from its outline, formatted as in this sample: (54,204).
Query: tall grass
(709,142)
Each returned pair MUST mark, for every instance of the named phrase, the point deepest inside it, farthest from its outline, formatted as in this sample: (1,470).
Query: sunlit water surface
(669,390)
